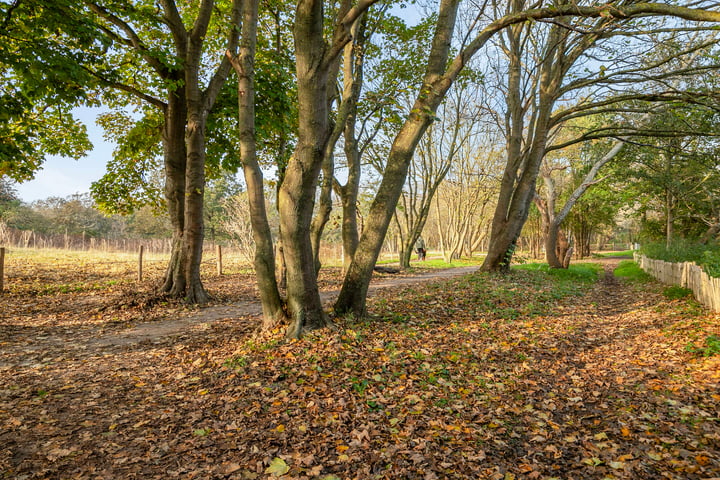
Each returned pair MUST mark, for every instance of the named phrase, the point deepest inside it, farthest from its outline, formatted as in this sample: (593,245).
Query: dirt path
(155,331)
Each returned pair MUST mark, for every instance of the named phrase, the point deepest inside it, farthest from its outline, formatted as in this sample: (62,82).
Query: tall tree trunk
(194,194)
(264,260)
(506,223)
(517,188)
(669,217)
(353,62)
(296,197)
(175,158)
(187,110)
(349,196)
(324,209)
(357,278)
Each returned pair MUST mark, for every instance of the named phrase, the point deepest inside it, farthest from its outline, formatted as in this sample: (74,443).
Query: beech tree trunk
(353,78)
(349,196)
(435,85)
(264,259)
(174,159)
(296,196)
(324,209)
(357,278)
(184,143)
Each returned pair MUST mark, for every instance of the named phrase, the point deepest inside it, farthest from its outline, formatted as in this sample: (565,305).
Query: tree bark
(554,248)
(357,278)
(344,125)
(296,196)
(186,112)
(175,115)
(264,259)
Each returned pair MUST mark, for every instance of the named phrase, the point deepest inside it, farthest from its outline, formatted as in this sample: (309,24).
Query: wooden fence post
(219,260)
(140,264)
(2,268)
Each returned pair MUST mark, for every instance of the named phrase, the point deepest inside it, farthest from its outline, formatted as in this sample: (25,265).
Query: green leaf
(277,467)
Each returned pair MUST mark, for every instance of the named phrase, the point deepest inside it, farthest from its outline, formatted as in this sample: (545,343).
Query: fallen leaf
(277,467)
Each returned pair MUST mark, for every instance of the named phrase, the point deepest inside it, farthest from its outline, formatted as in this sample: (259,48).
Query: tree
(180,70)
(557,248)
(670,177)
(38,88)
(74,215)
(593,213)
(440,73)
(538,78)
(264,259)
(452,137)
(157,56)
(217,193)
(464,198)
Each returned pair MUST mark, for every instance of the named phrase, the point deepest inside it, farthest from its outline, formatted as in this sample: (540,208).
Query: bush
(707,256)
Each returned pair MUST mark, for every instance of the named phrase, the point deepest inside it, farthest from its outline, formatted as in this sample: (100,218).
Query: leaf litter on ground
(531,375)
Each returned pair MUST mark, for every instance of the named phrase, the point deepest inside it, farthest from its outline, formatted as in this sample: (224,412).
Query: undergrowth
(707,256)
(624,253)
(711,348)
(579,272)
(674,292)
(631,271)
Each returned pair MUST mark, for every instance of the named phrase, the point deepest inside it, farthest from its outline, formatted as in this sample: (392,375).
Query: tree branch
(133,39)
(127,88)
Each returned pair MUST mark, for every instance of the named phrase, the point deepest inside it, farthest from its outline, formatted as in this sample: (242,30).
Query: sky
(61,177)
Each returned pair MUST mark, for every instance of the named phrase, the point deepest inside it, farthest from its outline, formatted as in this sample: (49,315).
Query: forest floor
(474,376)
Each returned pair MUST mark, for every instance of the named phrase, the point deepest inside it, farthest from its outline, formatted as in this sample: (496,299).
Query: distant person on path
(420,248)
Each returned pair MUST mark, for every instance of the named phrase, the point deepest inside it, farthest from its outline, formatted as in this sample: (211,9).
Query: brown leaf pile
(478,377)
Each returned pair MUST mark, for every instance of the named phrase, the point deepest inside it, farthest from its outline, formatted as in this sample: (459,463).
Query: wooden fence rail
(705,288)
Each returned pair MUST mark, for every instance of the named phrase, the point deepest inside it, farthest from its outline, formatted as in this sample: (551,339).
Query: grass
(530,290)
(674,292)
(624,253)
(711,347)
(629,270)
(53,271)
(579,272)
(435,262)
(441,263)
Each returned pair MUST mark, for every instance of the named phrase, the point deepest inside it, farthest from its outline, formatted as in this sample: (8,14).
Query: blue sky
(60,176)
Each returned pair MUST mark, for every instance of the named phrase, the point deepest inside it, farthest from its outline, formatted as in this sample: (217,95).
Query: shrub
(707,256)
